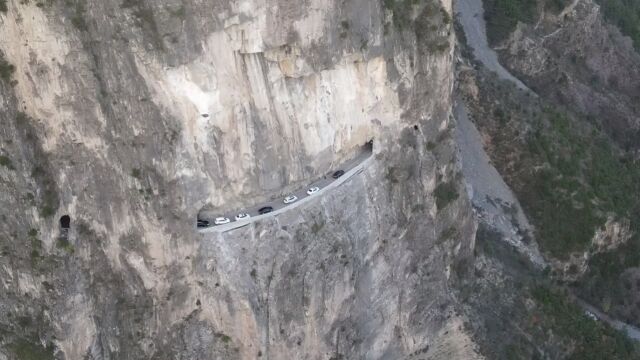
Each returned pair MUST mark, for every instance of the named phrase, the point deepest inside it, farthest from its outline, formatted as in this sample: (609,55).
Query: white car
(242,216)
(313,190)
(289,199)
(591,315)
(221,220)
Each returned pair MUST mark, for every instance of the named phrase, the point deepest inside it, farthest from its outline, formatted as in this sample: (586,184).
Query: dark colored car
(202,223)
(265,210)
(337,174)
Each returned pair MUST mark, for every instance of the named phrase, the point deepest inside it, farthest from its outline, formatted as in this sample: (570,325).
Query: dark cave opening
(65,221)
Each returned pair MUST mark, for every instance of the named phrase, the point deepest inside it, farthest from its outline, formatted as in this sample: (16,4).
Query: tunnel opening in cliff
(65,222)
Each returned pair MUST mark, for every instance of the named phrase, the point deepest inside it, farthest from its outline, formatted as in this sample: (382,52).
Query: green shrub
(3,6)
(6,69)
(223,337)
(445,193)
(136,173)
(6,162)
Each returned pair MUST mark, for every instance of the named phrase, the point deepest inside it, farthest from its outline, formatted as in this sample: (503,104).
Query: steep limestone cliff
(131,116)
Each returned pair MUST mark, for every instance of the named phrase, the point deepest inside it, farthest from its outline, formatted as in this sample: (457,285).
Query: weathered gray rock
(131,116)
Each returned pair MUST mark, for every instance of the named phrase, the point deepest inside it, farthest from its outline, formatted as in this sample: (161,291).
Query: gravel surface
(494,201)
(471,15)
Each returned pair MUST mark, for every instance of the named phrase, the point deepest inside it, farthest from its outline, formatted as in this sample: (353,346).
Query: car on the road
(289,199)
(337,174)
(221,220)
(313,190)
(202,223)
(242,216)
(265,210)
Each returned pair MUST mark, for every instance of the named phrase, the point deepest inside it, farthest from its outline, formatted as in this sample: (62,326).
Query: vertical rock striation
(131,116)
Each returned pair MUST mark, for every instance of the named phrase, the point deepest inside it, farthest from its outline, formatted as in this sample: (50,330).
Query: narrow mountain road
(351,168)
(631,331)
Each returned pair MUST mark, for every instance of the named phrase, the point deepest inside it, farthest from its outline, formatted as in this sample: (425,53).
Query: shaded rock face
(129,117)
(581,62)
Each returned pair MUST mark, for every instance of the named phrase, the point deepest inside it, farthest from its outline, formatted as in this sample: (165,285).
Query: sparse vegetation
(28,350)
(49,202)
(317,226)
(78,15)
(223,337)
(6,69)
(3,6)
(625,14)
(6,162)
(401,11)
(445,193)
(136,173)
(591,339)
(502,16)
(65,245)
(449,233)
(580,181)
(40,172)
(180,12)
(146,19)
(432,27)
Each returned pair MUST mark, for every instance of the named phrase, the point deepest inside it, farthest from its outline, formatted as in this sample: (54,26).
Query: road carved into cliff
(327,183)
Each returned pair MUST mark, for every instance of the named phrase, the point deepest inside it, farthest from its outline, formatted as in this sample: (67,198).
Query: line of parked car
(265,209)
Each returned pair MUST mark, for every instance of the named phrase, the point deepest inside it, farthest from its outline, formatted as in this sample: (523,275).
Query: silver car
(242,216)
(289,199)
(221,221)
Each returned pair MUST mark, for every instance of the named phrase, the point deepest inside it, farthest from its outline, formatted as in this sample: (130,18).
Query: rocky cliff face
(581,62)
(131,116)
